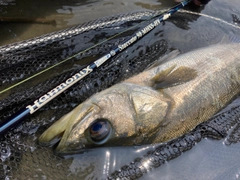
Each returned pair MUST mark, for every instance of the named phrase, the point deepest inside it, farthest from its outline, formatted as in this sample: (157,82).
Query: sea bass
(164,102)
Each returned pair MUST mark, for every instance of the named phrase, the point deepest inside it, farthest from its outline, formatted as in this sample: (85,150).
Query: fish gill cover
(21,156)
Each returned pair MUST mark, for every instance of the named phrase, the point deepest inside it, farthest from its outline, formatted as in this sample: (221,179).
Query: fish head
(119,116)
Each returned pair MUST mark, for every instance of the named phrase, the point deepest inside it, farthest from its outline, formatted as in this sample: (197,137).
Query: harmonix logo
(58,90)
(68,83)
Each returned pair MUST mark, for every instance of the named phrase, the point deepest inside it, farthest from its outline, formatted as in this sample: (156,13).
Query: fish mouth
(49,143)
(70,151)
(61,147)
(81,144)
(61,135)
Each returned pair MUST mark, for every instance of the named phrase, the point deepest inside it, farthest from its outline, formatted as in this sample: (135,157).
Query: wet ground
(208,160)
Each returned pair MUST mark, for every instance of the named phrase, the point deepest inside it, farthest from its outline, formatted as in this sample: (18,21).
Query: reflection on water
(26,19)
(208,160)
(17,25)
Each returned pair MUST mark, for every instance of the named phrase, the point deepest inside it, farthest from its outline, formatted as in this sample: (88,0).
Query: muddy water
(26,19)
(208,160)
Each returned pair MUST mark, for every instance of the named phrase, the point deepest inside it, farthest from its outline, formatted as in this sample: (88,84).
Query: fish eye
(99,131)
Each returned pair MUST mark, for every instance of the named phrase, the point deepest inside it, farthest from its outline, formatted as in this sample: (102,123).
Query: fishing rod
(37,104)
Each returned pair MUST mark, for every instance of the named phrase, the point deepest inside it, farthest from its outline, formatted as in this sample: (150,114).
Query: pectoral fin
(173,76)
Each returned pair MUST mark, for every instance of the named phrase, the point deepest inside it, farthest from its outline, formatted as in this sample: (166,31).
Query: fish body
(157,105)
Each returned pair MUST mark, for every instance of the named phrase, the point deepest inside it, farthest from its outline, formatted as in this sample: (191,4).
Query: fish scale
(217,127)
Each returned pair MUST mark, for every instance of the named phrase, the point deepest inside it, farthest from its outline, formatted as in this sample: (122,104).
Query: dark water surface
(208,160)
(48,16)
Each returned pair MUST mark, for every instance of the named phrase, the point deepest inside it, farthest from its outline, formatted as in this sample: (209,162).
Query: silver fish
(163,102)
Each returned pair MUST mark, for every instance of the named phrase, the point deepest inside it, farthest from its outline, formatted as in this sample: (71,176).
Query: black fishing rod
(37,104)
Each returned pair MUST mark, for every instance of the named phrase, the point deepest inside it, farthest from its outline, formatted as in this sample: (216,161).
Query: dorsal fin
(173,77)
